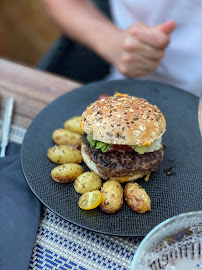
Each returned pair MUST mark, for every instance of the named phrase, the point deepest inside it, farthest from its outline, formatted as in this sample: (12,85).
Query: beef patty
(122,163)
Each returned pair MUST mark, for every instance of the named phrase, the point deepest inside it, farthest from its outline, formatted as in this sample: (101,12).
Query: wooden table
(31,88)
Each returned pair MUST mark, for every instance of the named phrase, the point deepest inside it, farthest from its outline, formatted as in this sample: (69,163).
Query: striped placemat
(16,133)
(62,245)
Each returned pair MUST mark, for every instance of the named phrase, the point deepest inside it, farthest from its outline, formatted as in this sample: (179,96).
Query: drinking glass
(175,244)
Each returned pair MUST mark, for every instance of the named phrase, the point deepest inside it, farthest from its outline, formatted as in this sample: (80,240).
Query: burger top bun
(122,119)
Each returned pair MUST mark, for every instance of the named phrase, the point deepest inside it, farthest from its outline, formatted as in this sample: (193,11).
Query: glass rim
(146,238)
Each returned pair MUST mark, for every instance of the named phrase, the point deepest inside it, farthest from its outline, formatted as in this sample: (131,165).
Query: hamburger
(122,137)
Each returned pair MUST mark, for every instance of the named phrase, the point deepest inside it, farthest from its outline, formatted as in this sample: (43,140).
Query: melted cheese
(82,125)
(123,179)
(121,95)
(147,177)
(146,143)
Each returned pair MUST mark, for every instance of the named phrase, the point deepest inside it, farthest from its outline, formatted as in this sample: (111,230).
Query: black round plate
(170,194)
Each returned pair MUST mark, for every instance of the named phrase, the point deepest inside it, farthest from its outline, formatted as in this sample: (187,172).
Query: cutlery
(6,125)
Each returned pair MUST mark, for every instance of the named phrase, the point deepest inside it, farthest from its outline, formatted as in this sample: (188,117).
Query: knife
(6,125)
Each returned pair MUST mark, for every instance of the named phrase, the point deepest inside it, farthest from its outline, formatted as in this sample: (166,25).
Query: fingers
(154,36)
(131,44)
(142,48)
(167,27)
(139,69)
(137,65)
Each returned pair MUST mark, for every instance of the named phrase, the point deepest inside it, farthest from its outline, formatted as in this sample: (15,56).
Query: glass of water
(175,244)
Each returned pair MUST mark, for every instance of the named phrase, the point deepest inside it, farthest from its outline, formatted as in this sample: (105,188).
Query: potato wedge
(87,181)
(63,154)
(73,124)
(66,137)
(66,173)
(112,197)
(137,198)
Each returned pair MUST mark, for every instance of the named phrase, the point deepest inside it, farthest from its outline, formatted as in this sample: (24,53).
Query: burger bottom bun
(121,179)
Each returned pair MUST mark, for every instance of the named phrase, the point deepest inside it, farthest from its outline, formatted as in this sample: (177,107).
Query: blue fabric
(19,213)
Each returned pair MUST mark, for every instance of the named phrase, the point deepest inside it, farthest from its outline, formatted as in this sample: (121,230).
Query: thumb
(167,27)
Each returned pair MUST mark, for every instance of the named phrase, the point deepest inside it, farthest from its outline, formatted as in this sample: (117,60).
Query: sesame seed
(97,117)
(145,116)
(136,133)
(141,127)
(109,134)
(135,117)
(136,141)
(101,134)
(153,134)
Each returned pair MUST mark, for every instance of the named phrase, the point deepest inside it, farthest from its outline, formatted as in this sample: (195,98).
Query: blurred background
(26,32)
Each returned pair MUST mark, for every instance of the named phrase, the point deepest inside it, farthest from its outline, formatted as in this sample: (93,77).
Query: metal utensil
(6,124)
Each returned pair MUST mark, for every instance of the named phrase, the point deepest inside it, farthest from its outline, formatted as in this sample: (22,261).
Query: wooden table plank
(23,104)
(31,88)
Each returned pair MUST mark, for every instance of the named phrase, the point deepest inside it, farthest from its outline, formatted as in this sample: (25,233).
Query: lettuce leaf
(98,145)
(140,149)
(156,145)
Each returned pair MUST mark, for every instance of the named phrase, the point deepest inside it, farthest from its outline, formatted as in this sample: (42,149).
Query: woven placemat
(62,245)
(16,133)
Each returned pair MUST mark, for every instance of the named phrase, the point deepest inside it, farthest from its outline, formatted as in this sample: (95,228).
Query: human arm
(135,51)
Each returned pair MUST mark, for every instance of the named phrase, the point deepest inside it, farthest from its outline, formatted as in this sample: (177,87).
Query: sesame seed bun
(92,166)
(124,120)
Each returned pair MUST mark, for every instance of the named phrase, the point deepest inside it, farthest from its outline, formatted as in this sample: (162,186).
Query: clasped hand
(138,50)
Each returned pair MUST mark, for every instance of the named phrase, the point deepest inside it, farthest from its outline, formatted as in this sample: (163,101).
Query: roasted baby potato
(66,137)
(137,198)
(63,154)
(112,197)
(87,181)
(66,173)
(73,124)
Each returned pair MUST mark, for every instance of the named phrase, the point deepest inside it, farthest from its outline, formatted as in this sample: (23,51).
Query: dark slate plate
(170,195)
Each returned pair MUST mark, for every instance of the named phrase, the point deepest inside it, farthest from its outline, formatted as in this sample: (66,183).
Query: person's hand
(138,50)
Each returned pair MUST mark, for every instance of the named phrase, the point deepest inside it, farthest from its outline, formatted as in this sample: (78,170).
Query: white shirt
(181,65)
